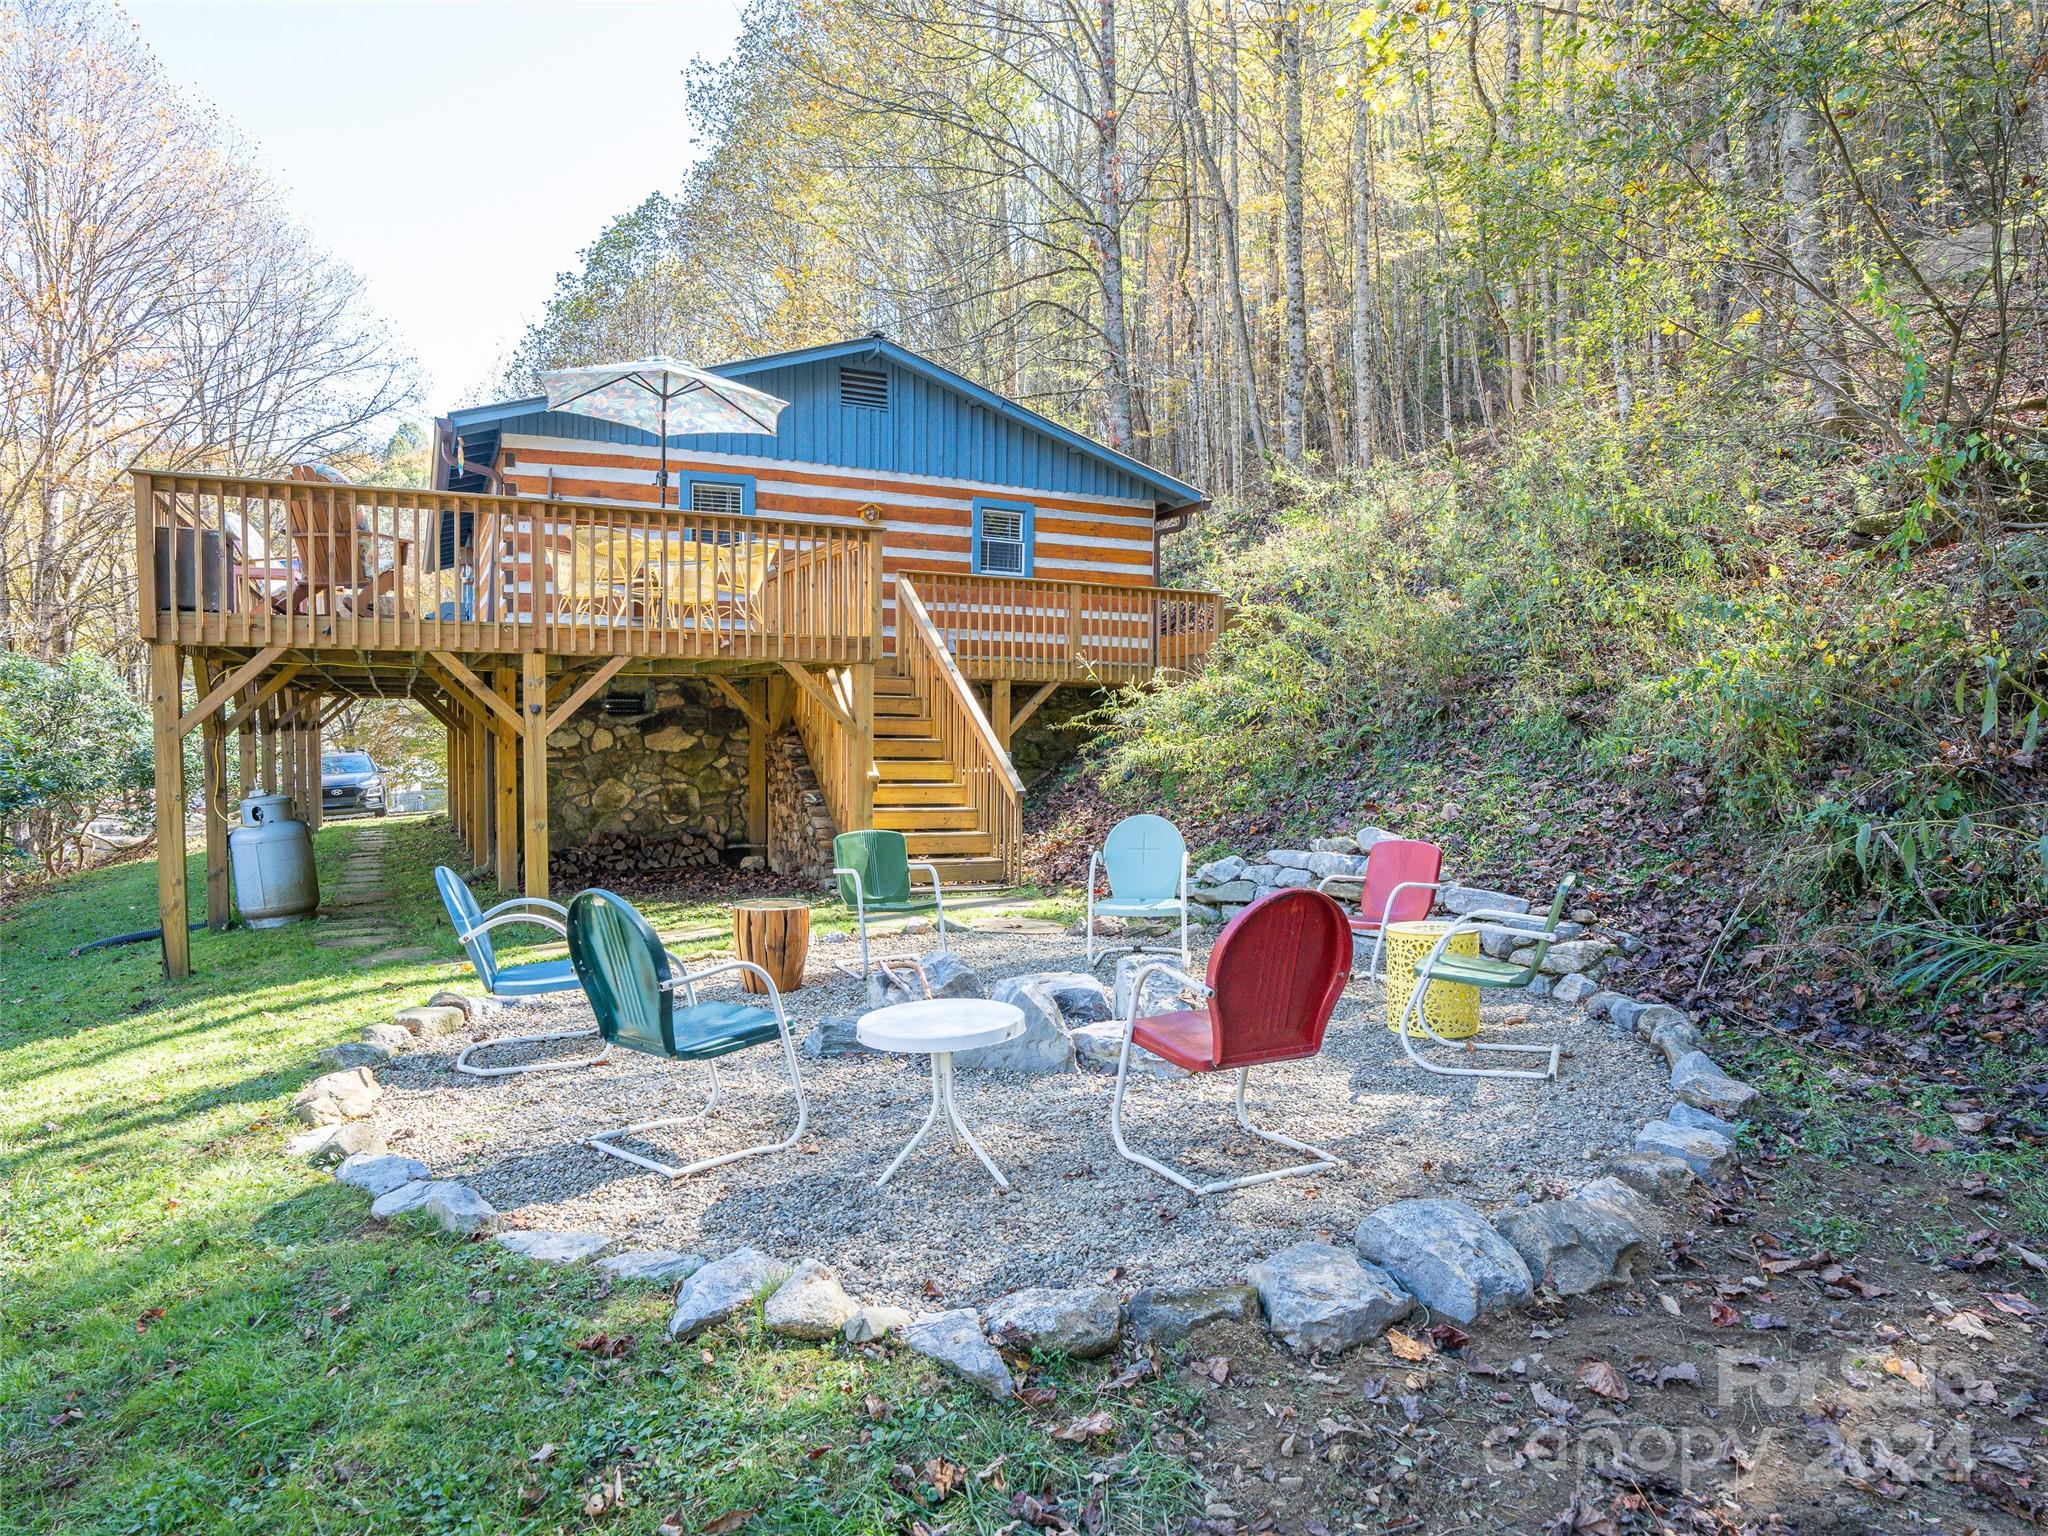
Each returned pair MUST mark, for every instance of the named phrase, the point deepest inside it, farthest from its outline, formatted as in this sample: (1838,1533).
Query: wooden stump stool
(775,933)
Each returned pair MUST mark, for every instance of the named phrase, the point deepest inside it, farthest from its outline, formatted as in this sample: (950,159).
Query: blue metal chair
(1147,860)
(632,983)
(473,928)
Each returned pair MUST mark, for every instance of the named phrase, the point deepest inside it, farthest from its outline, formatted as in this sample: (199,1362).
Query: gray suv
(350,785)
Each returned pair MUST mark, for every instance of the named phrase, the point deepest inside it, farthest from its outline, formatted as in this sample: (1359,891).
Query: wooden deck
(502,616)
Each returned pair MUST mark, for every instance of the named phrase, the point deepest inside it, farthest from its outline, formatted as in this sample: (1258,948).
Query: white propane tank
(271,854)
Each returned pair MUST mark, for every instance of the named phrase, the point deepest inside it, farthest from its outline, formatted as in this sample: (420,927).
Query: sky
(444,150)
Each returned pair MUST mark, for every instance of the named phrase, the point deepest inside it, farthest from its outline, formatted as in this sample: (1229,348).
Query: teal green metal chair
(873,869)
(632,985)
(1484,971)
(1147,861)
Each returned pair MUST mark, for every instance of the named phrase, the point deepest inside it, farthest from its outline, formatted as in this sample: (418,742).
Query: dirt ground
(1755,1383)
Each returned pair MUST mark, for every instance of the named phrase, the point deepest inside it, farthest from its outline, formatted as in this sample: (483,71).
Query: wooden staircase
(921,794)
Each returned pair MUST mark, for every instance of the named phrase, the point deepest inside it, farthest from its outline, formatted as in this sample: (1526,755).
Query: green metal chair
(632,982)
(1483,971)
(873,870)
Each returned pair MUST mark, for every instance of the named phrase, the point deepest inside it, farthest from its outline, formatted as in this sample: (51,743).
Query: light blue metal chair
(473,927)
(632,985)
(1147,861)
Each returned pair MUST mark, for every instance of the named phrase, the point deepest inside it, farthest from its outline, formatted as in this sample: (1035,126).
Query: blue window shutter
(1003,537)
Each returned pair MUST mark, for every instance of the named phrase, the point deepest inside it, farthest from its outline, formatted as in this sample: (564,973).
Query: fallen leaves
(1090,1426)
(1603,1380)
(603,1346)
(1721,1315)
(607,1495)
(1408,1347)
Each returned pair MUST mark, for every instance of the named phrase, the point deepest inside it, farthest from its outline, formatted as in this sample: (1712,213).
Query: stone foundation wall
(680,767)
(800,829)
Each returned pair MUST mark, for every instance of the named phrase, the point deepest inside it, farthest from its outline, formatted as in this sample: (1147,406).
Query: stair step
(912,819)
(897,749)
(894,687)
(897,704)
(949,791)
(924,845)
(956,871)
(902,725)
(914,770)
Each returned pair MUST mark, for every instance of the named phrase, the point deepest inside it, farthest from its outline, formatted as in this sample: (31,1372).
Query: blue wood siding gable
(936,423)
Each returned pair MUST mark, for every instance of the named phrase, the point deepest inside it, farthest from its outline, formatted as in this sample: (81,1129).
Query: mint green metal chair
(873,869)
(632,985)
(1484,971)
(1147,861)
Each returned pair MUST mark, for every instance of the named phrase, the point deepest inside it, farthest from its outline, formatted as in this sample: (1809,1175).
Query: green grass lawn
(200,1334)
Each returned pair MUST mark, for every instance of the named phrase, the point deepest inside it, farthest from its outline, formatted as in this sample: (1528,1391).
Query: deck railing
(969,742)
(224,560)
(1035,630)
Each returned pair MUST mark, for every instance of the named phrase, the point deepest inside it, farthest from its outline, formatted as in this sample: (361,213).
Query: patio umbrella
(662,395)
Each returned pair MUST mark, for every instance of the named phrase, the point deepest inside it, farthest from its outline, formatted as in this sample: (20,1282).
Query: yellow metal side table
(1450,1007)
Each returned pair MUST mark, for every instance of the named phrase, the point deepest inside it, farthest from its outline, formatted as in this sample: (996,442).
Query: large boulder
(1081,1322)
(810,1304)
(721,1288)
(1319,1297)
(1082,999)
(947,973)
(337,1096)
(1447,1255)
(954,1339)
(1696,1080)
(1097,1046)
(1165,1315)
(1043,1047)
(1706,1154)
(1576,1245)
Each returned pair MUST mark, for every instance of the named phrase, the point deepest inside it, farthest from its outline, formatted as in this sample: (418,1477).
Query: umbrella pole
(663,497)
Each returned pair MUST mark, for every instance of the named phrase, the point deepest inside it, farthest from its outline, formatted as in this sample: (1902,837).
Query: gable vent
(721,496)
(868,387)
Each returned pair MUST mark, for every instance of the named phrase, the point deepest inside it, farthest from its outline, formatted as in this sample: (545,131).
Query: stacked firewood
(610,856)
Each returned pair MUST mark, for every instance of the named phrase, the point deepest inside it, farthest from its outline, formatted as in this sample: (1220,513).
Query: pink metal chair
(1274,978)
(1401,882)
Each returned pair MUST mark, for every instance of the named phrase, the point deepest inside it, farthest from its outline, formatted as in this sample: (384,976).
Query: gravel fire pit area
(1077,1213)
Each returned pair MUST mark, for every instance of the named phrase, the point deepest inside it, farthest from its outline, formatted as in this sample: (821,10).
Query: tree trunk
(1294,389)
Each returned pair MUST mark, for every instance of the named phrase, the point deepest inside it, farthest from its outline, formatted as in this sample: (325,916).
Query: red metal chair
(1402,877)
(1274,977)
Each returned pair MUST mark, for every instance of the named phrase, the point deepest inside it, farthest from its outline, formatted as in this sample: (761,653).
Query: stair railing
(963,731)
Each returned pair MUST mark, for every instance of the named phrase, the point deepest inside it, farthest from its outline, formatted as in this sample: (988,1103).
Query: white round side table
(938,1027)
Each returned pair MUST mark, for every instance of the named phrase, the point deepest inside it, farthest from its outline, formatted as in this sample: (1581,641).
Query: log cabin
(846,624)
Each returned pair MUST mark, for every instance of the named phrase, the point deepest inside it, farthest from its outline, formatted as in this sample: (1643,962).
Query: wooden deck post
(506,766)
(479,794)
(999,710)
(757,765)
(213,754)
(166,672)
(454,772)
(315,812)
(533,667)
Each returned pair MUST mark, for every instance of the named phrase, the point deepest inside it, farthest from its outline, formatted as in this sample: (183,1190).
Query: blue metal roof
(936,423)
